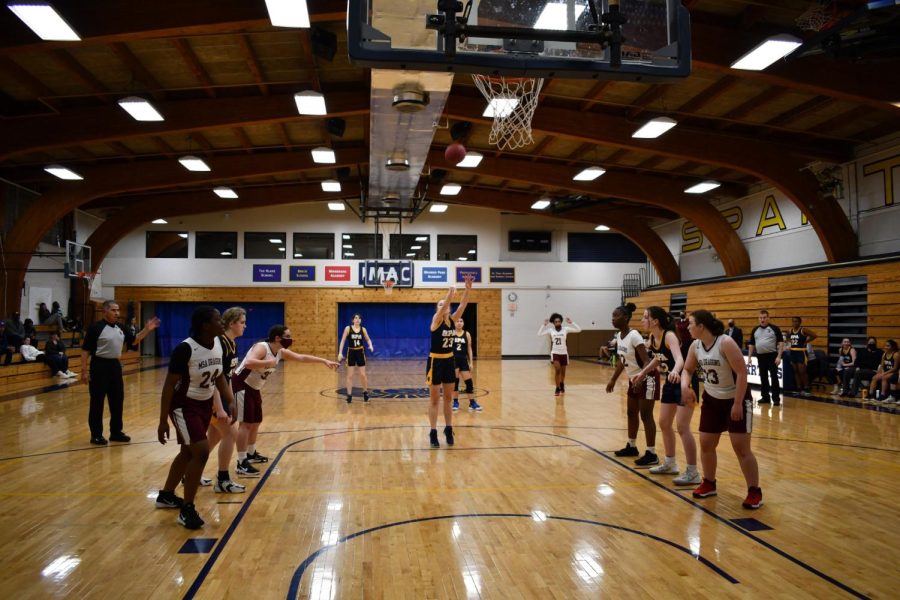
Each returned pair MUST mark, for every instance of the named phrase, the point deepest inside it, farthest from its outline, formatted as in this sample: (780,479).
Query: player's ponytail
(660,314)
(628,309)
(709,321)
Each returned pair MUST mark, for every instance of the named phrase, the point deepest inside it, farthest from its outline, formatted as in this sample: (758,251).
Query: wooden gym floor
(530,503)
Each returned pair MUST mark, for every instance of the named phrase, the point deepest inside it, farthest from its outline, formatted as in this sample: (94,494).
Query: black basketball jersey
(461,346)
(229,355)
(442,339)
(846,358)
(663,353)
(798,339)
(356,338)
(887,361)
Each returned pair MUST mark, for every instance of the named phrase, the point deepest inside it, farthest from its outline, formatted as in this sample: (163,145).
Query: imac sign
(373,273)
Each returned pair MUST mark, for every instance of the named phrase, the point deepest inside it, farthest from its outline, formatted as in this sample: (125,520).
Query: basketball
(455,152)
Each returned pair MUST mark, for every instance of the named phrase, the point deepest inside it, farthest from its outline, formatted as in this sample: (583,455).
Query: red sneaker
(754,498)
(706,489)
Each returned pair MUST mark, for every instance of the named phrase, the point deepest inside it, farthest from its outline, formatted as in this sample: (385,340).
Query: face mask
(872,346)
(286,343)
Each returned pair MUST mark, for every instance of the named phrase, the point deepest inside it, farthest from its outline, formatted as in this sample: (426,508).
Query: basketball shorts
(440,370)
(648,389)
(248,403)
(562,359)
(671,393)
(462,363)
(191,419)
(893,378)
(356,357)
(798,356)
(715,415)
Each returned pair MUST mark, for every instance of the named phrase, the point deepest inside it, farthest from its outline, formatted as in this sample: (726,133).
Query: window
(457,247)
(167,244)
(360,246)
(529,241)
(314,245)
(262,244)
(216,244)
(411,247)
(603,247)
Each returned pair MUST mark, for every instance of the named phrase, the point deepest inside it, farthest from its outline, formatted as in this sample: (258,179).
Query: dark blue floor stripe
(428,449)
(294,588)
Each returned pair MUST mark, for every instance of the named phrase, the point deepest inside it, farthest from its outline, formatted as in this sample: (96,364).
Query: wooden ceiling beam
(187,54)
(243,138)
(711,93)
(252,63)
(802,110)
(843,118)
(69,63)
(745,108)
(651,94)
(14,70)
(140,72)
(595,93)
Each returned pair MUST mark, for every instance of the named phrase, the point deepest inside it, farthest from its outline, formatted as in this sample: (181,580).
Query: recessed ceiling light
(159,221)
(541,204)
(335,206)
(310,103)
(411,254)
(225,253)
(589,174)
(601,228)
(331,185)
(702,187)
(346,236)
(323,155)
(183,235)
(281,249)
(655,128)
(193,163)
(275,241)
(471,160)
(473,251)
(140,109)
(554,16)
(767,52)
(348,254)
(500,107)
(42,19)
(225,192)
(415,247)
(298,255)
(438,208)
(63,173)
(288,13)
(450,189)
(422,238)
(350,246)
(463,258)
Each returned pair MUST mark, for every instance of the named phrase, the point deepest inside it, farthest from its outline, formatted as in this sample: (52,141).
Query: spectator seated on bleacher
(54,317)
(56,347)
(6,346)
(868,360)
(30,331)
(817,367)
(15,331)
(57,363)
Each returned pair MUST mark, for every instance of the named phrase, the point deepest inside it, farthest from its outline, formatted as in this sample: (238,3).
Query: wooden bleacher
(21,376)
(70,338)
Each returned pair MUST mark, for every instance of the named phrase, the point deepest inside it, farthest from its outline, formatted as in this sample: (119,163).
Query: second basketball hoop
(388,287)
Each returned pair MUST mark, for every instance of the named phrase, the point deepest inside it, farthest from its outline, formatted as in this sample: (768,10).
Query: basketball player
(235,322)
(800,336)
(664,349)
(642,392)
(559,352)
(247,383)
(462,357)
(356,355)
(727,405)
(195,370)
(440,372)
(885,378)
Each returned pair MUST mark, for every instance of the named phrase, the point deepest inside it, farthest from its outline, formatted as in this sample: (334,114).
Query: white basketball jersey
(256,378)
(626,347)
(714,370)
(204,368)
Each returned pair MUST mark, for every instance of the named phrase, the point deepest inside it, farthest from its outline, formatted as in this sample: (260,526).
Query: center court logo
(398,393)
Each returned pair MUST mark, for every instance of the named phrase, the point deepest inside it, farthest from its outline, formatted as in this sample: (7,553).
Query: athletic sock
(670,460)
(651,449)
(632,442)
(692,468)
(242,456)
(224,476)
(251,449)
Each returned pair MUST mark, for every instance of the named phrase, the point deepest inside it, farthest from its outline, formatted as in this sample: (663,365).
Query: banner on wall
(303,273)
(434,274)
(337,273)
(753,372)
(461,272)
(503,274)
(263,273)
(373,273)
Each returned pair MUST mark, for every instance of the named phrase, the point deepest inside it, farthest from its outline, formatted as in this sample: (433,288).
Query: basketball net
(815,17)
(514,100)
(93,284)
(388,287)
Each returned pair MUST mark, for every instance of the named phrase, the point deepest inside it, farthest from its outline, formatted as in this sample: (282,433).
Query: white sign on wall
(753,372)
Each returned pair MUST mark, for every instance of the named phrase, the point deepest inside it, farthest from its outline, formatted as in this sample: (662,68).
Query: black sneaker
(432,436)
(764,401)
(562,388)
(648,459)
(119,437)
(556,392)
(365,396)
(776,402)
(99,440)
(349,398)
(628,451)
(245,469)
(168,500)
(448,433)
(257,458)
(189,518)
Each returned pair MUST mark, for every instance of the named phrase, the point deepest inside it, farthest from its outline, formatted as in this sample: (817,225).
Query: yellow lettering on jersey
(691,236)
(734,216)
(886,168)
(770,216)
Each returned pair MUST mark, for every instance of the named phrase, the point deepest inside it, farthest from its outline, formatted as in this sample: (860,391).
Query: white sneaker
(835,390)
(889,400)
(666,468)
(229,487)
(71,374)
(61,376)
(204,482)
(689,478)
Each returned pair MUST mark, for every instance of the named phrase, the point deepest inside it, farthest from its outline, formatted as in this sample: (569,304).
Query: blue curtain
(175,323)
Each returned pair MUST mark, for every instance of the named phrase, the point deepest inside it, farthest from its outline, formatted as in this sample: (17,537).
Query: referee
(101,349)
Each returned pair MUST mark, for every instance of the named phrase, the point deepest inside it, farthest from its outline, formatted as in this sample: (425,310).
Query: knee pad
(470,386)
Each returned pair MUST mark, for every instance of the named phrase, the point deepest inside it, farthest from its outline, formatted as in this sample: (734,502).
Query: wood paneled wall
(784,296)
(312,312)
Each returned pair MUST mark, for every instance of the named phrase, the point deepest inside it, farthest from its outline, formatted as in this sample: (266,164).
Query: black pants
(106,382)
(768,368)
(858,376)
(56,362)
(9,355)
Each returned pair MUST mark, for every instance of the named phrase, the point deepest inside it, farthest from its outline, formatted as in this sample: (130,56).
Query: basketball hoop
(389,286)
(513,100)
(91,283)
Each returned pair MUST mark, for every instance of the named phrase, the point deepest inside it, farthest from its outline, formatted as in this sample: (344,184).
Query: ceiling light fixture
(422,238)
(140,109)
(415,247)
(225,253)
(601,228)
(463,258)
(275,241)
(438,208)
(702,187)
(472,160)
(500,107)
(43,19)
(767,52)
(183,235)
(348,246)
(589,174)
(288,13)
(473,251)
(225,192)
(159,221)
(451,189)
(541,204)
(655,128)
(310,102)
(331,185)
(323,155)
(336,206)
(193,163)
(63,173)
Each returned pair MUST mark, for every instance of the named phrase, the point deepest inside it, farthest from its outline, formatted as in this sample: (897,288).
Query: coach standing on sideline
(101,349)
(767,341)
